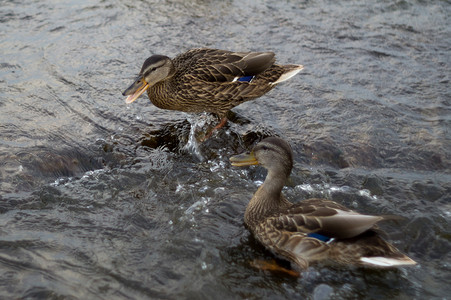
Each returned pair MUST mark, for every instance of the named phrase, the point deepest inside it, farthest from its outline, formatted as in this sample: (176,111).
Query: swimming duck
(311,230)
(208,80)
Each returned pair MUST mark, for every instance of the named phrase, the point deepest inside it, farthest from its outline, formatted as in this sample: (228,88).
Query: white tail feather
(387,262)
(289,74)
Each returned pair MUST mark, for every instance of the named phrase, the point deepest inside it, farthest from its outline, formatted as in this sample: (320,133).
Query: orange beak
(135,90)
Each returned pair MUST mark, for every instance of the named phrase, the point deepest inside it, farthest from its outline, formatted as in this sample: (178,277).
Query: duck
(208,80)
(312,230)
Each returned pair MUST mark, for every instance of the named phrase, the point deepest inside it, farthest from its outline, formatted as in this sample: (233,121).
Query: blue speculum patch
(246,78)
(320,237)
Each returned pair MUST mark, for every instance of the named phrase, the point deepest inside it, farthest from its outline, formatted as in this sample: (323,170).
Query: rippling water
(103,200)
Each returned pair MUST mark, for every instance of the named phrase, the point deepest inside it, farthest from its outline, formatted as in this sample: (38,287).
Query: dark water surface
(100,200)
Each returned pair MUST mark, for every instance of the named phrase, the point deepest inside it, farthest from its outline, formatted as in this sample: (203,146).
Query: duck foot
(272,266)
(220,125)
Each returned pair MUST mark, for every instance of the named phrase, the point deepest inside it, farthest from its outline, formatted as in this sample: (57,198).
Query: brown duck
(311,230)
(208,80)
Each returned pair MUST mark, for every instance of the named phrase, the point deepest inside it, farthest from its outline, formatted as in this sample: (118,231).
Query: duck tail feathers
(290,71)
(380,261)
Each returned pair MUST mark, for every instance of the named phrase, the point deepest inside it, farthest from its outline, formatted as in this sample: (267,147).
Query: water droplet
(305,187)
(179,188)
(322,291)
(365,193)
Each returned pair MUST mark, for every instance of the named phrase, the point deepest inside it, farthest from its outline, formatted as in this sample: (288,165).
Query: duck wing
(326,218)
(216,65)
(303,232)
(294,246)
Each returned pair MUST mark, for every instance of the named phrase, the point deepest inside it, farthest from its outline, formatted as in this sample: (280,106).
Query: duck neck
(273,185)
(158,95)
(267,200)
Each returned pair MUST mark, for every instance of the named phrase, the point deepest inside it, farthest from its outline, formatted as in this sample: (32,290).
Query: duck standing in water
(208,80)
(313,229)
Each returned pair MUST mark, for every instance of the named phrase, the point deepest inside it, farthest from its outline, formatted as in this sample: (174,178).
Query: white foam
(305,187)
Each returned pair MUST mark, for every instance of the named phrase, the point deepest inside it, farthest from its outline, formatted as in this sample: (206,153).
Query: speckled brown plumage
(313,229)
(205,80)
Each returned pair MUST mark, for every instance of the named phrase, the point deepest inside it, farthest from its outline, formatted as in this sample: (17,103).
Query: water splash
(327,190)
(200,126)
(198,206)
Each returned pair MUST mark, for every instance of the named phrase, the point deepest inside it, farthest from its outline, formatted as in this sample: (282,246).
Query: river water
(103,200)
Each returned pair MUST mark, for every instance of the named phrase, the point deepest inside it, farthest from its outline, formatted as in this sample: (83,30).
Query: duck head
(272,153)
(155,69)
